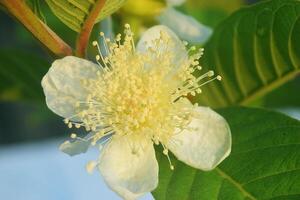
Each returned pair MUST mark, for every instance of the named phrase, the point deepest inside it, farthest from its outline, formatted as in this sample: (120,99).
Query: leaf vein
(265,148)
(270,175)
(235,183)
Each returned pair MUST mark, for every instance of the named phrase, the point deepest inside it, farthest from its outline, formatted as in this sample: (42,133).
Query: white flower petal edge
(205,143)
(76,146)
(62,84)
(154,33)
(186,27)
(129,174)
(175,50)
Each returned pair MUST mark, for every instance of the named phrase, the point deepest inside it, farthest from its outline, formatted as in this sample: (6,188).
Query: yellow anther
(95,43)
(70,125)
(211,73)
(127,26)
(77,125)
(165,151)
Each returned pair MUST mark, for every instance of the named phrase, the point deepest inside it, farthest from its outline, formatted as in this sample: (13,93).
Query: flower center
(141,94)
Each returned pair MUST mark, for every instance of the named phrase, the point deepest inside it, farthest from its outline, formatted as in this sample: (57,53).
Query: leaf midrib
(263,90)
(235,183)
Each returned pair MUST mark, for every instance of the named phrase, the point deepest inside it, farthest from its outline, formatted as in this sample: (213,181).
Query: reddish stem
(87,27)
(41,31)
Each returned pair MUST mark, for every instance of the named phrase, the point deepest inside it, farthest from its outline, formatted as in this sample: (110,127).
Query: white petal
(175,2)
(106,26)
(175,44)
(186,27)
(62,84)
(76,146)
(130,175)
(205,143)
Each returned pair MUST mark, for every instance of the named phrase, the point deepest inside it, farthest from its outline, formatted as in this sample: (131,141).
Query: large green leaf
(264,163)
(20,75)
(255,50)
(73,13)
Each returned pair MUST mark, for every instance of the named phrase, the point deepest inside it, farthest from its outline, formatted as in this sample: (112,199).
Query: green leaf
(255,50)
(35,6)
(264,163)
(73,13)
(20,75)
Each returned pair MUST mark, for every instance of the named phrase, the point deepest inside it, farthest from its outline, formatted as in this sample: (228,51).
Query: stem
(84,35)
(41,31)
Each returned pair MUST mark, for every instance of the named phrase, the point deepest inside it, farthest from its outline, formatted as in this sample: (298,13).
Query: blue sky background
(39,171)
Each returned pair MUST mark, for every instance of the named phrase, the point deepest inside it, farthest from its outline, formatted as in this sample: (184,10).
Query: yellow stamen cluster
(140,94)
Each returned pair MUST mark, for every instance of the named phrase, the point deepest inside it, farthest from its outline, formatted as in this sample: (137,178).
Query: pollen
(140,94)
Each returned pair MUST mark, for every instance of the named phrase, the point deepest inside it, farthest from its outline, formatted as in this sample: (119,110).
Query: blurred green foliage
(22,81)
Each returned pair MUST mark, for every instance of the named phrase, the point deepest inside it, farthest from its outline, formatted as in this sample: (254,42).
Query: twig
(84,35)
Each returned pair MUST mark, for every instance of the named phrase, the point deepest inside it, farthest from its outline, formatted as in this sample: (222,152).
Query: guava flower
(133,99)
